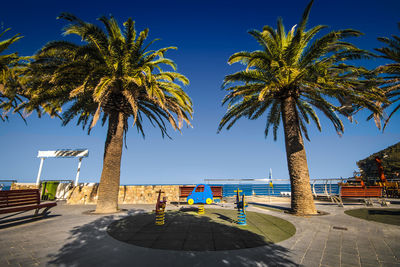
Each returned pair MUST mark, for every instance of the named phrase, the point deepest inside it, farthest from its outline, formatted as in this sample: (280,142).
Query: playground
(70,237)
(205,231)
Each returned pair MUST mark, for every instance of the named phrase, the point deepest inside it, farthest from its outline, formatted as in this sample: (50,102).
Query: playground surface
(70,237)
(213,231)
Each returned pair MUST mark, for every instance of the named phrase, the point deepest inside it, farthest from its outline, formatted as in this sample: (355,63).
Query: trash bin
(49,190)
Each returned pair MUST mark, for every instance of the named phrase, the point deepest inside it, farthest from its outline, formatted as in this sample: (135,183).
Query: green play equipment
(49,189)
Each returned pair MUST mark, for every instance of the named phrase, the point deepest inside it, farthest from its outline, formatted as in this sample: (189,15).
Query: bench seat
(22,200)
(365,193)
(360,192)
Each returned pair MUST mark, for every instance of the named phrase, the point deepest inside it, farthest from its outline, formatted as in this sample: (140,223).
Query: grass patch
(388,216)
(267,207)
(272,228)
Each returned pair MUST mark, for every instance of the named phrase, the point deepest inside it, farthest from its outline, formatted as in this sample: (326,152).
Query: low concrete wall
(20,186)
(86,193)
(132,194)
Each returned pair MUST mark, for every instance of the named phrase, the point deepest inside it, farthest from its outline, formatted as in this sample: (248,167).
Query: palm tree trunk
(107,201)
(302,201)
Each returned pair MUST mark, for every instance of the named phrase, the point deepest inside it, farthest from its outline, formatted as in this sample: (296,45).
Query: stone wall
(20,186)
(131,194)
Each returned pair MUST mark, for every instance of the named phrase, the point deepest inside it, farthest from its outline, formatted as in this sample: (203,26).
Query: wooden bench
(366,193)
(22,200)
(185,190)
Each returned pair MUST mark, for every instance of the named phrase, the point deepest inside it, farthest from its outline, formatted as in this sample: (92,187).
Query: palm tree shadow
(275,207)
(136,240)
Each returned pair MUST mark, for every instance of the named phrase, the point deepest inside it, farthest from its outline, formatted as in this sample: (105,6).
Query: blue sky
(206,34)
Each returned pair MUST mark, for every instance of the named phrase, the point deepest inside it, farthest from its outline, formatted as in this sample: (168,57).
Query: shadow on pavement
(91,245)
(16,219)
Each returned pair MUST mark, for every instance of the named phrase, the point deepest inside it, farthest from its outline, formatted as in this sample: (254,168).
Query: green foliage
(9,63)
(390,162)
(391,71)
(290,64)
(112,71)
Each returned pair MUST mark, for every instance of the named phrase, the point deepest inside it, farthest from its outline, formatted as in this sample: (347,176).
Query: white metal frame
(62,153)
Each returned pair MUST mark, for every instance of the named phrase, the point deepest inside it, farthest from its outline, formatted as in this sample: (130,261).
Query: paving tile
(332,251)
(349,265)
(13,262)
(27,262)
(385,264)
(388,259)
(348,245)
(349,251)
(370,265)
(366,251)
(369,261)
(3,262)
(310,263)
(330,260)
(301,246)
(317,255)
(350,259)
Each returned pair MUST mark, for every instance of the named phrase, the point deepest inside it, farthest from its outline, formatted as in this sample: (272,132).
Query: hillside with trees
(390,161)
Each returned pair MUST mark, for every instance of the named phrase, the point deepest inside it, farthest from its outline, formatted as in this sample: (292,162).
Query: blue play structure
(241,207)
(200,197)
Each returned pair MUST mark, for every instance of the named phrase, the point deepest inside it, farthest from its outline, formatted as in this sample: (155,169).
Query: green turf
(267,207)
(272,228)
(217,229)
(388,216)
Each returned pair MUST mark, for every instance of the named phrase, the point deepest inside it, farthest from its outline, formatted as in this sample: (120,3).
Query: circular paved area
(215,230)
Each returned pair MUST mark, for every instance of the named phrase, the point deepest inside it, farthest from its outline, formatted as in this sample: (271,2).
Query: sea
(5,185)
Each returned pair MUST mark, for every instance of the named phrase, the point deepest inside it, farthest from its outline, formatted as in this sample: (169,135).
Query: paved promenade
(71,238)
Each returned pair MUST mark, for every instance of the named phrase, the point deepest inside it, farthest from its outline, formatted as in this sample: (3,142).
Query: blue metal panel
(266,190)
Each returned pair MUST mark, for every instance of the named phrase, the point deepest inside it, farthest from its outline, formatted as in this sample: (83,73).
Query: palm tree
(391,82)
(8,96)
(114,76)
(288,79)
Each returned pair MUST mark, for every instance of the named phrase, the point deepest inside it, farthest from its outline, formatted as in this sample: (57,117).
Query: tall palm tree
(288,79)
(9,99)
(114,76)
(392,82)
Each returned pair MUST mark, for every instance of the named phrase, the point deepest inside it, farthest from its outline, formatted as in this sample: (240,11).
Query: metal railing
(280,187)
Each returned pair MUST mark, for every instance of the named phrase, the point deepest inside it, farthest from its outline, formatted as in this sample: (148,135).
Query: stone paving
(71,238)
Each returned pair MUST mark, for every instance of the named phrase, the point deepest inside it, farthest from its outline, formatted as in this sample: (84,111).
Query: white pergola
(62,153)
